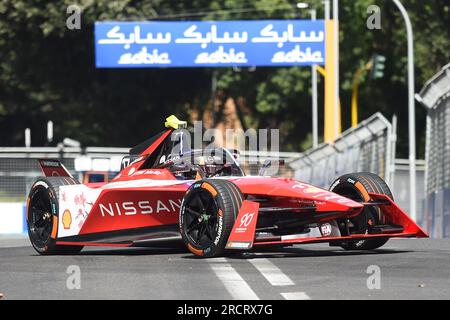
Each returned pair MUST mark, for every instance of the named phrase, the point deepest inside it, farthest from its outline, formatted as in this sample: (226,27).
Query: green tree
(48,72)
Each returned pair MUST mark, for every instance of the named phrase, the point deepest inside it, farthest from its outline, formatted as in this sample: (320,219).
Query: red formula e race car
(166,190)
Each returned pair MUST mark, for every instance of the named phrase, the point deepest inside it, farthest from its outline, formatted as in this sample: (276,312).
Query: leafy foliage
(47,71)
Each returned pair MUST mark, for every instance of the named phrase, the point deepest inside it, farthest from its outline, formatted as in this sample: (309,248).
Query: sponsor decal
(301,186)
(312,190)
(49,163)
(246,219)
(335,184)
(307,188)
(129,208)
(351,181)
(67,219)
(219,228)
(244,222)
(239,245)
(326,229)
(146,172)
(78,200)
(131,171)
(41,183)
(126,162)
(181,216)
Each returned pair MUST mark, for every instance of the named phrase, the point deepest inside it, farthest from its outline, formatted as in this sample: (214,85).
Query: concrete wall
(12,218)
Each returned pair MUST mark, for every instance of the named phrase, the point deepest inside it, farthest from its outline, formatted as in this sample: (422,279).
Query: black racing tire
(42,216)
(357,186)
(207,216)
(238,197)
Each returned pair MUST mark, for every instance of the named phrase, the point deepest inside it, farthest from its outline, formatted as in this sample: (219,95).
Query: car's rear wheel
(207,215)
(357,187)
(42,216)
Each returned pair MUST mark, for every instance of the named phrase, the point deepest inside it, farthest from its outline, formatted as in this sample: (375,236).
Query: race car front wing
(399,225)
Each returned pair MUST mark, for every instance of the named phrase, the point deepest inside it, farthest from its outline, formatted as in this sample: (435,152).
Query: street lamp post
(411,112)
(326,4)
(314,94)
(315,125)
(336,67)
(332,114)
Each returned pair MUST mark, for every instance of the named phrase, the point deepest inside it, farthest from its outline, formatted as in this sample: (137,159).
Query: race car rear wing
(53,168)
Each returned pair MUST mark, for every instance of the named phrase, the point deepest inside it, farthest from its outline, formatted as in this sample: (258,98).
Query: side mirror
(269,163)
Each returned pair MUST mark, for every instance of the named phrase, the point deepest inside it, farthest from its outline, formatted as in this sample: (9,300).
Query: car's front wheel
(357,187)
(207,215)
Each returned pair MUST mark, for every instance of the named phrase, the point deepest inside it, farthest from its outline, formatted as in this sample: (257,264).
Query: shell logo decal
(67,219)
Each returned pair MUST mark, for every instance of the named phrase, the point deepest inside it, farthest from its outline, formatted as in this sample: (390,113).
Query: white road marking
(233,282)
(216,260)
(295,296)
(271,272)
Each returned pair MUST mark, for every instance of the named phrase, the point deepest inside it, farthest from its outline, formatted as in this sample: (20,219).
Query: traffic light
(377,71)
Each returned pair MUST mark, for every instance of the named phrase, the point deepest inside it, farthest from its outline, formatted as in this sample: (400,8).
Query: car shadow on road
(166,249)
(284,252)
(307,253)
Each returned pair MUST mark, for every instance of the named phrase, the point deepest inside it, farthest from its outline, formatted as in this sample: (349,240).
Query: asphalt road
(408,269)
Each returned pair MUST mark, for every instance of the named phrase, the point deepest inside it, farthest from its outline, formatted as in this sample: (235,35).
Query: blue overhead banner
(209,43)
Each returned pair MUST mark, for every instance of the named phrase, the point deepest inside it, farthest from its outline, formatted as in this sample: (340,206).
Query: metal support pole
(213,98)
(326,4)
(336,67)
(50,131)
(27,137)
(393,150)
(315,130)
(411,112)
(329,107)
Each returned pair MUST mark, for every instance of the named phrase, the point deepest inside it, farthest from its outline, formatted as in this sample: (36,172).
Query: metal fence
(19,166)
(368,147)
(400,187)
(435,96)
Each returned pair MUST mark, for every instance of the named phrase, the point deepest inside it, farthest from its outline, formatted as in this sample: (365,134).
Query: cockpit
(173,151)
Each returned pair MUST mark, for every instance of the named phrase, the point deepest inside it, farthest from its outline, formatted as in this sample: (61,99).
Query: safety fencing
(368,147)
(19,169)
(435,96)
(19,166)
